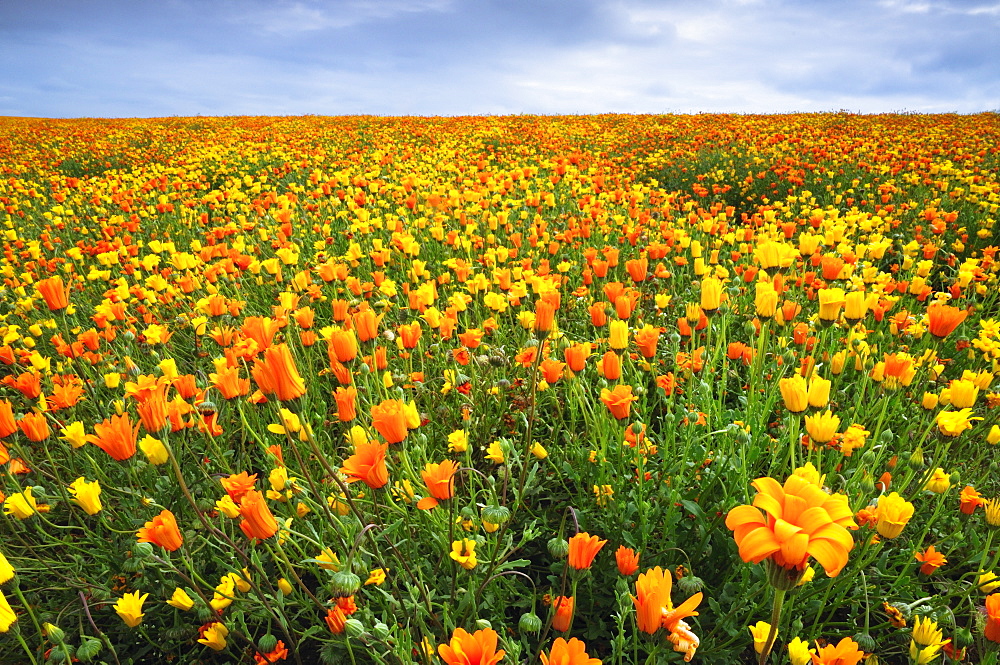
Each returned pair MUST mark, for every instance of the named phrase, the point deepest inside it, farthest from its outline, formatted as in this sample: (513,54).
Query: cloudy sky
(127,58)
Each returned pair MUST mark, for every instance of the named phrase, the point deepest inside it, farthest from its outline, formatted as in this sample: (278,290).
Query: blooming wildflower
(993,512)
(794,393)
(759,631)
(619,401)
(464,553)
(6,570)
(440,482)
(932,560)
(21,505)
(953,423)
(238,484)
(479,648)
(653,605)
(790,523)
(129,608)
(367,464)
(582,549)
(892,513)
(992,631)
(573,652)
(7,616)
(87,495)
(563,617)
(162,530)
(627,560)
(799,652)
(214,636)
(117,437)
(277,375)
(822,427)
(258,521)
(154,450)
(181,600)
(939,481)
(970,499)
(846,652)
(943,319)
(390,419)
(494,453)
(458,441)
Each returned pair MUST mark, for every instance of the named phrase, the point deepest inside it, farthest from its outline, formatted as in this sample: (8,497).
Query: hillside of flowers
(477,390)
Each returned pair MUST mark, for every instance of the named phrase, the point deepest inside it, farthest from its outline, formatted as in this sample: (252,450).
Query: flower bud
(529,623)
(54,632)
(496,514)
(381,631)
(344,583)
(267,643)
(354,628)
(916,461)
(690,585)
(865,642)
(558,548)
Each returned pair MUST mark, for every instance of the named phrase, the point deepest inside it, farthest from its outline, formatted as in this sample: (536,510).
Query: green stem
(779,600)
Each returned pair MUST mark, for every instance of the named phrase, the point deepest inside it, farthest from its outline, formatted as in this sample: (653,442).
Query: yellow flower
(21,505)
(819,392)
(953,423)
(129,608)
(7,616)
(154,450)
(458,441)
(988,582)
(892,514)
(75,434)
(963,393)
(794,393)
(539,451)
(328,560)
(929,401)
(376,577)
(181,600)
(223,596)
(799,652)
(807,576)
(993,512)
(87,495)
(228,507)
(464,552)
(284,586)
(994,436)
(822,427)
(939,482)
(214,637)
(810,473)
(494,453)
(6,570)
(760,631)
(618,334)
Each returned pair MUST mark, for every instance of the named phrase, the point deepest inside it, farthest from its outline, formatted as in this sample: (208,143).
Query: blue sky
(139,58)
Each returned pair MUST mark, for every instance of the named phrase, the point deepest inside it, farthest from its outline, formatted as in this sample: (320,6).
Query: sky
(157,58)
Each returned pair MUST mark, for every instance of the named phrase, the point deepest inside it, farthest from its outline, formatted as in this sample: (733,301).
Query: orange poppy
(366,324)
(573,652)
(544,317)
(646,340)
(563,618)
(552,370)
(627,560)
(342,345)
(583,547)
(34,426)
(55,293)
(619,401)
(117,437)
(7,423)
(992,630)
(637,269)
(229,383)
(576,356)
(440,481)
(389,418)
(788,524)
(258,521)
(611,366)
(846,652)
(162,530)
(479,648)
(277,375)
(943,319)
(653,607)
(238,484)
(410,333)
(346,403)
(367,464)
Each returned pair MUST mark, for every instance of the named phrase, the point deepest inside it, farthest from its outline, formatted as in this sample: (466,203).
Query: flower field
(571,390)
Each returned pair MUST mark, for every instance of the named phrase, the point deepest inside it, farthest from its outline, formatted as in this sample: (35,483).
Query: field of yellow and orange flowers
(619,389)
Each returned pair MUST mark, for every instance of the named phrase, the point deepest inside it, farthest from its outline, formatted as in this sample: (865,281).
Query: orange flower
(545,313)
(7,423)
(573,652)
(970,499)
(619,401)
(346,403)
(366,324)
(471,338)
(389,418)
(845,653)
(342,345)
(55,293)
(116,437)
(992,631)
(611,366)
(153,409)
(238,484)
(229,383)
(440,482)
(552,370)
(932,560)
(258,522)
(34,426)
(583,547)
(277,375)
(653,607)
(576,356)
(627,560)
(637,269)
(162,531)
(367,464)
(479,648)
(563,618)
(336,620)
(410,333)
(943,319)
(788,524)
(646,340)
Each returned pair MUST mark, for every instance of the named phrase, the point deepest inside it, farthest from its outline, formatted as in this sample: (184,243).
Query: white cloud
(291,18)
